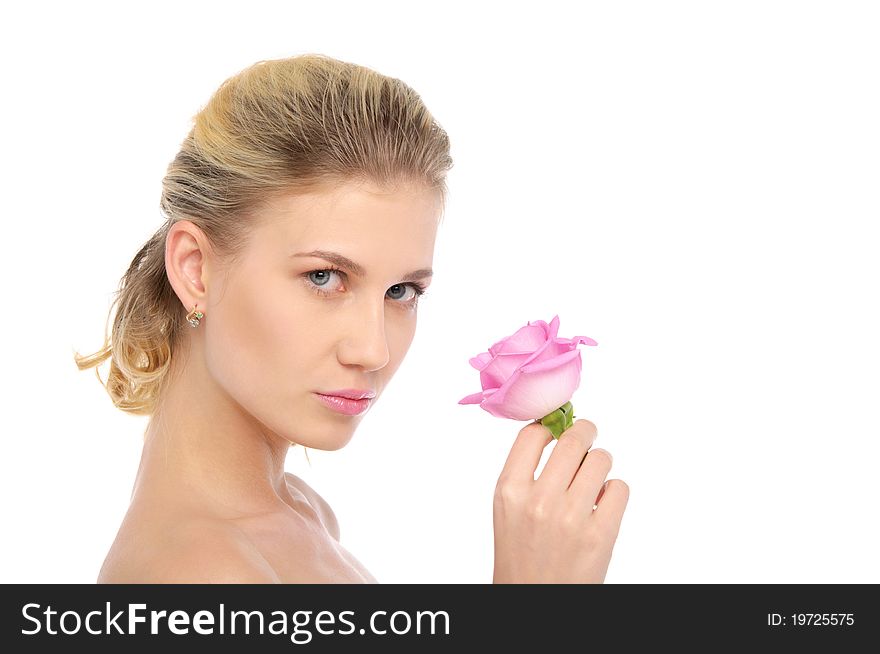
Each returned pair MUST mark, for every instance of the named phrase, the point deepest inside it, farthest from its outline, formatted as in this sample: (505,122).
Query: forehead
(361,207)
(372,226)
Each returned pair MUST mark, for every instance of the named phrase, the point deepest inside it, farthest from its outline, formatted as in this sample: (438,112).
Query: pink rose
(530,374)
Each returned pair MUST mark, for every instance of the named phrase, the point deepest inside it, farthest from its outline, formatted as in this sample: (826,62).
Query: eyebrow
(356,268)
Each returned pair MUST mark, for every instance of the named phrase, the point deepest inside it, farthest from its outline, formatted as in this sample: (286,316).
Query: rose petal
(481,360)
(583,339)
(475,398)
(544,388)
(526,339)
(554,327)
(501,368)
(550,364)
(540,352)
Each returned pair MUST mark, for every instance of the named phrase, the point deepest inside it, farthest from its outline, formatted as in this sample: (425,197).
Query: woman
(279,284)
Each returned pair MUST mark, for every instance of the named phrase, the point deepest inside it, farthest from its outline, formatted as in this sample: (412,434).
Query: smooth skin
(212,501)
(562,526)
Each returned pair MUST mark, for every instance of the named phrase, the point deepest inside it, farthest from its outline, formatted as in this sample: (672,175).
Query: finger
(612,504)
(526,452)
(599,498)
(567,456)
(590,476)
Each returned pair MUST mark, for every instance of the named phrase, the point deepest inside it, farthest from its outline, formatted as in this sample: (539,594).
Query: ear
(187,257)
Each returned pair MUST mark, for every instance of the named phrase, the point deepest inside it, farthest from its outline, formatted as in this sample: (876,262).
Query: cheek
(251,341)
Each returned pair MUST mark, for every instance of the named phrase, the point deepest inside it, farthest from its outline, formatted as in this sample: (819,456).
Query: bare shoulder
(198,551)
(207,551)
(318,503)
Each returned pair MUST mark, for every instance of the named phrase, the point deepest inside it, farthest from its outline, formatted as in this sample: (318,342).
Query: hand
(546,530)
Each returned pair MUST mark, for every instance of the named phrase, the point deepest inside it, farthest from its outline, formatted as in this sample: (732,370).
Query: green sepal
(560,420)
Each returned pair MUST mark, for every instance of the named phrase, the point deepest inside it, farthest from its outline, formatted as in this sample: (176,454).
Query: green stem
(559,420)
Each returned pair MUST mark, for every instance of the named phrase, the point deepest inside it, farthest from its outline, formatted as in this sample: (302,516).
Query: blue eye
(316,286)
(322,272)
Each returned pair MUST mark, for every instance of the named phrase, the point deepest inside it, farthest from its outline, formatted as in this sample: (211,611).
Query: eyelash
(419,289)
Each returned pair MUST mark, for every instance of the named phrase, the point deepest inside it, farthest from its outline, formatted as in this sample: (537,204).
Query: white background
(692,184)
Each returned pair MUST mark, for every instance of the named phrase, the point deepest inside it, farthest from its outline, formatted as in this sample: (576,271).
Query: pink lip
(351,393)
(344,405)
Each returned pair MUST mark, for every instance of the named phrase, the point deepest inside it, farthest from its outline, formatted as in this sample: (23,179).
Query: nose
(366,344)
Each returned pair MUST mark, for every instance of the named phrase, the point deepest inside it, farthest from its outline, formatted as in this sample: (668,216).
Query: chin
(329,445)
(337,446)
(324,436)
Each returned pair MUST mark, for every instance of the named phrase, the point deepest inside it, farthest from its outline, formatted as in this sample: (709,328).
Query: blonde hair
(279,126)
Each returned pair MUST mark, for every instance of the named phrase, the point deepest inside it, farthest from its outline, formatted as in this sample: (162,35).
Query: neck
(202,447)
